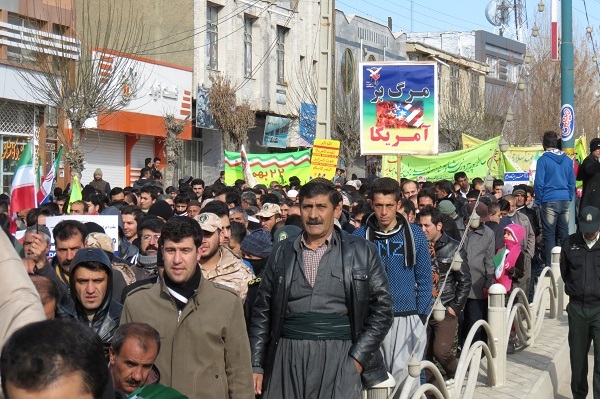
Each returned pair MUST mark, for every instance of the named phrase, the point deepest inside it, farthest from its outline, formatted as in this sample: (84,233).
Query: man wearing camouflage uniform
(218,263)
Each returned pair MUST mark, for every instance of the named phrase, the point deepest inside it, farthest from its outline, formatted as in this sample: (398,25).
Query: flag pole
(36,181)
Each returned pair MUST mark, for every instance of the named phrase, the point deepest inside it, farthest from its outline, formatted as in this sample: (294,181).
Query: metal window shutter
(143,149)
(107,152)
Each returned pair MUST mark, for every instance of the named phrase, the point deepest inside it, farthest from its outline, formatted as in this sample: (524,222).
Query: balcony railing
(25,43)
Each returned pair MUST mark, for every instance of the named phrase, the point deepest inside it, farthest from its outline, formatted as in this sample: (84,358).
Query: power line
(451,16)
(591,38)
(270,49)
(370,15)
(205,45)
(203,29)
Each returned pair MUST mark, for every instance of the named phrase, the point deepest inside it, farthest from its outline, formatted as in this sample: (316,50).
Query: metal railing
(38,41)
(527,320)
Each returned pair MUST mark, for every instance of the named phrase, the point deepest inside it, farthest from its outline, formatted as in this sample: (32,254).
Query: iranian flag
(45,190)
(22,190)
(250,180)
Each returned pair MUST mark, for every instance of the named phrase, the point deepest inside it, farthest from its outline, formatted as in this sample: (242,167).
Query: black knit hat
(257,243)
(162,209)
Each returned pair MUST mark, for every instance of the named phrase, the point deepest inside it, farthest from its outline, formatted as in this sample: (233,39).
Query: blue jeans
(555,225)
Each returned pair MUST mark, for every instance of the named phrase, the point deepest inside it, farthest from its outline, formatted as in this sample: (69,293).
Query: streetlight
(521,85)
(594,59)
(528,57)
(541,6)
(510,116)
(503,144)
(535,32)
(488,182)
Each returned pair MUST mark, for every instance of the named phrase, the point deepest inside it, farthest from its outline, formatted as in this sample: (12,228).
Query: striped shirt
(312,258)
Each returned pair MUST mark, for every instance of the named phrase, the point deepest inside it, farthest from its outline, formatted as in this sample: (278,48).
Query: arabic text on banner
(475,161)
(324,158)
(269,167)
(398,108)
(389,166)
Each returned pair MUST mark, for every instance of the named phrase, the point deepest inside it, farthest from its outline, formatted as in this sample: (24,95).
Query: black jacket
(108,315)
(458,285)
(589,174)
(367,296)
(580,270)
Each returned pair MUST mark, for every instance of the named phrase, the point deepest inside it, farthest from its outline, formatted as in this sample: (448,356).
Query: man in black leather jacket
(440,334)
(333,339)
(91,290)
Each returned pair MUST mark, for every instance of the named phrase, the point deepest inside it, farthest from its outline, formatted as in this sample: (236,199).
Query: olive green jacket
(205,352)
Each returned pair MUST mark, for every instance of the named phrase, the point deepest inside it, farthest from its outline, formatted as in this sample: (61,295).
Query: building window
(512,73)
(248,46)
(347,71)
(475,90)
(21,38)
(493,64)
(454,85)
(212,38)
(281,32)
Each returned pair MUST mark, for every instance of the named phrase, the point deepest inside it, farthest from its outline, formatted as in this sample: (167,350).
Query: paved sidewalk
(564,390)
(536,372)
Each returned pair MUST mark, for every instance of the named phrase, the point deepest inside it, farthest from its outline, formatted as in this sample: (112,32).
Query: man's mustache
(313,222)
(131,381)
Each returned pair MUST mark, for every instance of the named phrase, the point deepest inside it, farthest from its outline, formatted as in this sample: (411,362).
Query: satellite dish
(498,12)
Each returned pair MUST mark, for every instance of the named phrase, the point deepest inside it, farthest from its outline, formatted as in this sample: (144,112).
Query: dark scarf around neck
(181,293)
(374,233)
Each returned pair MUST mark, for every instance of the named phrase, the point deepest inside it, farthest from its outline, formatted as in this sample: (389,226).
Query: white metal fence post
(497,320)
(555,267)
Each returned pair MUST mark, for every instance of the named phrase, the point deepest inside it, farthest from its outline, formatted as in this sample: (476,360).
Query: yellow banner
(324,158)
(389,166)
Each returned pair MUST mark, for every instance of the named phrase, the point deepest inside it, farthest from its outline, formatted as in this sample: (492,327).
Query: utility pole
(325,69)
(567,90)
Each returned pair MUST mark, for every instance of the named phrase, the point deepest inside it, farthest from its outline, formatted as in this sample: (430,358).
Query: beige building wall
(262,89)
(165,28)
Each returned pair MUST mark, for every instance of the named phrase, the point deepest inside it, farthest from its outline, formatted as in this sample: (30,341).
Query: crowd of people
(314,290)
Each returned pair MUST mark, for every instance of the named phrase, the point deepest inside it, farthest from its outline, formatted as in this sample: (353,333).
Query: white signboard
(512,179)
(110,224)
(161,89)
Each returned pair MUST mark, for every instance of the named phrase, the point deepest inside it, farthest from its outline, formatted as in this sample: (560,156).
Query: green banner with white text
(474,161)
(269,167)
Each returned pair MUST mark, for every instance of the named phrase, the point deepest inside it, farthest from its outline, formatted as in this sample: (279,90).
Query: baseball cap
(518,190)
(589,219)
(209,222)
(269,210)
(187,179)
(285,232)
(90,255)
(421,179)
(100,240)
(447,208)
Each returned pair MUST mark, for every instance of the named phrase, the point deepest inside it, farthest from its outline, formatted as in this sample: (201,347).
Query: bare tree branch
(100,81)
(173,145)
(233,119)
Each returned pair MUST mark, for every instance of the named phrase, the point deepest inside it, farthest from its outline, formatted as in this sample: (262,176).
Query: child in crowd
(509,268)
(508,262)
